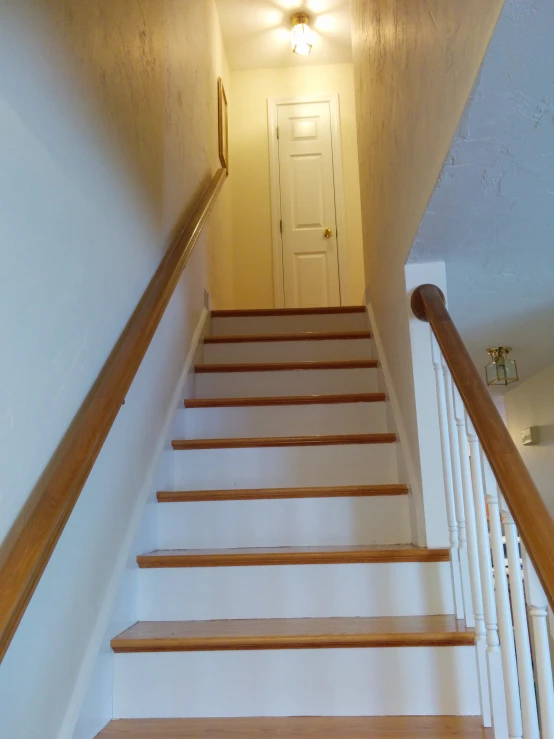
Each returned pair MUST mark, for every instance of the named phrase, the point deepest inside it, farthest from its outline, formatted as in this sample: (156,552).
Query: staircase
(286,598)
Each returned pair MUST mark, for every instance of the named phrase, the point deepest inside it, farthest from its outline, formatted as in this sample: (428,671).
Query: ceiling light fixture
(301,34)
(500,370)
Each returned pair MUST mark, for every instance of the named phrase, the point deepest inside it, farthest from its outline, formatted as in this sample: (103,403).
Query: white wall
(108,118)
(249,141)
(532,404)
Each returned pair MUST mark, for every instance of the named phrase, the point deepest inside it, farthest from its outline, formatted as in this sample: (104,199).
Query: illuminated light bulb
(301,34)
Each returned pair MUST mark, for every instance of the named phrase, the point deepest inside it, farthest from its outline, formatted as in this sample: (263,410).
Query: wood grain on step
(285,400)
(260,556)
(293,633)
(282,441)
(261,312)
(352,491)
(300,336)
(305,727)
(338,364)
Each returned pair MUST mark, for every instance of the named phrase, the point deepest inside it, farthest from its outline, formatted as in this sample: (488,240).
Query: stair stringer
(405,464)
(85,715)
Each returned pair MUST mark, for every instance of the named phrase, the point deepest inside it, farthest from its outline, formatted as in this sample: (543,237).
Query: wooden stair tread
(258,556)
(352,491)
(293,633)
(299,336)
(285,400)
(318,727)
(282,441)
(287,366)
(261,312)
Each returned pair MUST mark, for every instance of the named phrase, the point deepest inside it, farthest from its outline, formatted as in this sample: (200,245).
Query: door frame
(273,104)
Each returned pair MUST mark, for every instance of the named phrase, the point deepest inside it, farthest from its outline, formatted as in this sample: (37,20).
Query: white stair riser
(285,420)
(223,469)
(316,682)
(285,382)
(288,351)
(289,324)
(295,591)
(284,523)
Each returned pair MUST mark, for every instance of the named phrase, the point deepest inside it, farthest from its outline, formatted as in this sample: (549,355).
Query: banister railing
(34,538)
(493,502)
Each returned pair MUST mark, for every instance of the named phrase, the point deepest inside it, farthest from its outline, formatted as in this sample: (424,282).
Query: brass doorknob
(328,233)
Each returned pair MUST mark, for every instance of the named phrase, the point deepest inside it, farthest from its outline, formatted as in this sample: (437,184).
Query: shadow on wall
(547,435)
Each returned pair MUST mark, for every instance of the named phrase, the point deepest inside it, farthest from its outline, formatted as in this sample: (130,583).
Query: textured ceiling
(257,33)
(491,217)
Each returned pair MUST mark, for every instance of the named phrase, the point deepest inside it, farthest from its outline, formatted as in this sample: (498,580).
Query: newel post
(436,519)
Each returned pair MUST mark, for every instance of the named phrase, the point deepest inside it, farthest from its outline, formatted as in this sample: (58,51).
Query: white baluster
(538,611)
(494,657)
(458,498)
(473,556)
(505,626)
(521,630)
(448,485)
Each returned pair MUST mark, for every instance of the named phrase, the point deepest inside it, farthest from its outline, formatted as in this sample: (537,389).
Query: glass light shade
(301,35)
(501,370)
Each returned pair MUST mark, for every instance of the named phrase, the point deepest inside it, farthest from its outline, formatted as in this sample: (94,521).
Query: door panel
(303,129)
(307,201)
(310,260)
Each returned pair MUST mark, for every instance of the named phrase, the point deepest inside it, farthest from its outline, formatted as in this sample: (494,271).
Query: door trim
(275,192)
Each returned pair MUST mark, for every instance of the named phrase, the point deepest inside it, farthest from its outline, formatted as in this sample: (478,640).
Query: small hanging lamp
(301,34)
(501,370)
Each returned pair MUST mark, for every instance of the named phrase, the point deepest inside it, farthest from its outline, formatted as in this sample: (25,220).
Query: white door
(307,194)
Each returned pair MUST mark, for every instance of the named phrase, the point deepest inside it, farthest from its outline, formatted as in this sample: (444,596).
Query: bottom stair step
(386,727)
(294,633)
(402,666)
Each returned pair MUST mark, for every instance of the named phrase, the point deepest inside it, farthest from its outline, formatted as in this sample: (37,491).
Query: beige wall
(249,167)
(532,404)
(108,122)
(415,64)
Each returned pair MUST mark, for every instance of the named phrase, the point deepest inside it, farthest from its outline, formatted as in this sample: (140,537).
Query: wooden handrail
(526,505)
(32,541)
